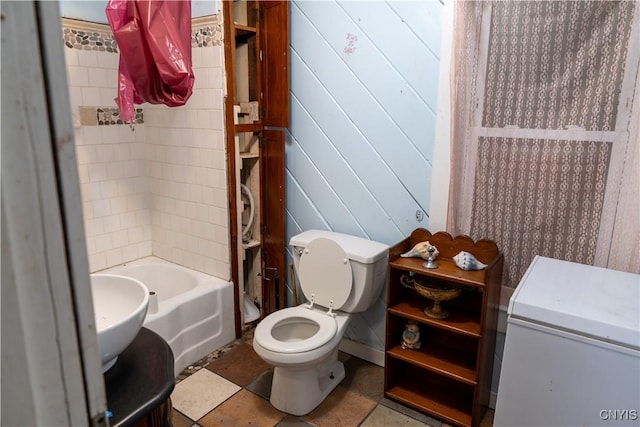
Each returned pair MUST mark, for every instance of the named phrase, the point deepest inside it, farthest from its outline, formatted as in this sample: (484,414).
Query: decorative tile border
(104,116)
(111,116)
(77,34)
(206,31)
(88,36)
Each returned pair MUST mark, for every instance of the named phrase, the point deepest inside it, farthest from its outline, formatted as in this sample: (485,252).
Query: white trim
(42,364)
(493,398)
(441,171)
(616,161)
(362,351)
(71,204)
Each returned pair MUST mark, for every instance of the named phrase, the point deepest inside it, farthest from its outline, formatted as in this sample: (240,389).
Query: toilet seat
(325,273)
(327,328)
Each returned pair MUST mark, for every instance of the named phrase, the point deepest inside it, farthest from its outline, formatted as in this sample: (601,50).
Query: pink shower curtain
(154,39)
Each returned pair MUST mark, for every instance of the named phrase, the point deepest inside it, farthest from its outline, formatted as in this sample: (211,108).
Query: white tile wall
(116,205)
(187,173)
(160,190)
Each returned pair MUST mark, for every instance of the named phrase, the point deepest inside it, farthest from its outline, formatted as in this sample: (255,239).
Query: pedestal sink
(120,306)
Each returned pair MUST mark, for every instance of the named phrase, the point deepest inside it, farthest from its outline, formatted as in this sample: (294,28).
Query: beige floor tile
(243,409)
(385,417)
(411,413)
(341,408)
(364,378)
(201,392)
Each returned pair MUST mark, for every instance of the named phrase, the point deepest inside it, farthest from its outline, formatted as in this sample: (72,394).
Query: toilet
(339,274)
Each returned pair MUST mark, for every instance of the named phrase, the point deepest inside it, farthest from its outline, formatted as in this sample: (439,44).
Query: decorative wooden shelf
(441,360)
(449,377)
(447,267)
(457,322)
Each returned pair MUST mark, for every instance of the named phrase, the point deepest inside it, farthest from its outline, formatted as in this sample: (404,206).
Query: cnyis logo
(619,414)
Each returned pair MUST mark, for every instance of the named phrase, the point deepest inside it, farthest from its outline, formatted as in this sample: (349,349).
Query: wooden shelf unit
(257,110)
(449,377)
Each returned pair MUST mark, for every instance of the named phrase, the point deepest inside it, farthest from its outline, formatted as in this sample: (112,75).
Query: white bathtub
(195,310)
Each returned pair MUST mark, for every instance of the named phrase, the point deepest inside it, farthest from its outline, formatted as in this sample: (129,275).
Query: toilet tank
(368,260)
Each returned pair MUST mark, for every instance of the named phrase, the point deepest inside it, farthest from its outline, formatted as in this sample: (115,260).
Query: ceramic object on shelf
(422,250)
(411,336)
(467,261)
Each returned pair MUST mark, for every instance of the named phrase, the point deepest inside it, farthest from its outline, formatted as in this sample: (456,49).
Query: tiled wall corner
(160,189)
(187,171)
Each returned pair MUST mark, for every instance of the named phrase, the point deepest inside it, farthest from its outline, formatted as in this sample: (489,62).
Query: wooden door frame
(229,66)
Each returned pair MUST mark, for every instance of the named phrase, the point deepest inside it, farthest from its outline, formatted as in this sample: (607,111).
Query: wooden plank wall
(364,82)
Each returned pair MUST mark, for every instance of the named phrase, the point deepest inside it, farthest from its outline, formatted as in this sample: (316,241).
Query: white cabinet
(572,349)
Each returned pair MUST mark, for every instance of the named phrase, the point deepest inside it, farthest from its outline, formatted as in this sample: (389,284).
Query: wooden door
(273,220)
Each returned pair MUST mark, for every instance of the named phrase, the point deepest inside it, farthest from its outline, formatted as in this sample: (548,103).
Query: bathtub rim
(205,283)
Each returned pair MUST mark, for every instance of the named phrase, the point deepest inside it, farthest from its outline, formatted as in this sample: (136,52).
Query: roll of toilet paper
(153,302)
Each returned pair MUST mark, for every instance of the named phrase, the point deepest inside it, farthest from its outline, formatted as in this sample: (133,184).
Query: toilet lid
(325,272)
(327,328)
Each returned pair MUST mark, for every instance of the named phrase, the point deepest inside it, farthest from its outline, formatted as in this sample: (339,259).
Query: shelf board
(459,321)
(248,127)
(249,155)
(251,244)
(437,403)
(444,361)
(244,33)
(447,270)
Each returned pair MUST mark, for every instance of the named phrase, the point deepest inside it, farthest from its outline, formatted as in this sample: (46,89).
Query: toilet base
(298,391)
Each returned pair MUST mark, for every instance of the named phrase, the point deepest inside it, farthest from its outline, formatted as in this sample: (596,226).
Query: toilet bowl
(302,379)
(338,274)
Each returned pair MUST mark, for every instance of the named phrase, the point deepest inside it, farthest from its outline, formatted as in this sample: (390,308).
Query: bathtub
(194,310)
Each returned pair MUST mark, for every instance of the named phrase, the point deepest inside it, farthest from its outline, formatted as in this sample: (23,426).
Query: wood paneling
(349,95)
(364,78)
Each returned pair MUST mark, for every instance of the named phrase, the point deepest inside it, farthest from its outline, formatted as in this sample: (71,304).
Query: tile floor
(231,387)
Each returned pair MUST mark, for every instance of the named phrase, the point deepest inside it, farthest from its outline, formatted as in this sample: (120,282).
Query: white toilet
(339,274)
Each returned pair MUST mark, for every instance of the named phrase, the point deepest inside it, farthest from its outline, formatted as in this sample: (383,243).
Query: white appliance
(572,348)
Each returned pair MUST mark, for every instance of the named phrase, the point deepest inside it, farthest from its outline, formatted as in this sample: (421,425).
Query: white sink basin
(120,306)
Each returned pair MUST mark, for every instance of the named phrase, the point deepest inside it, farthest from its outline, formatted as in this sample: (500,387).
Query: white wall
(364,89)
